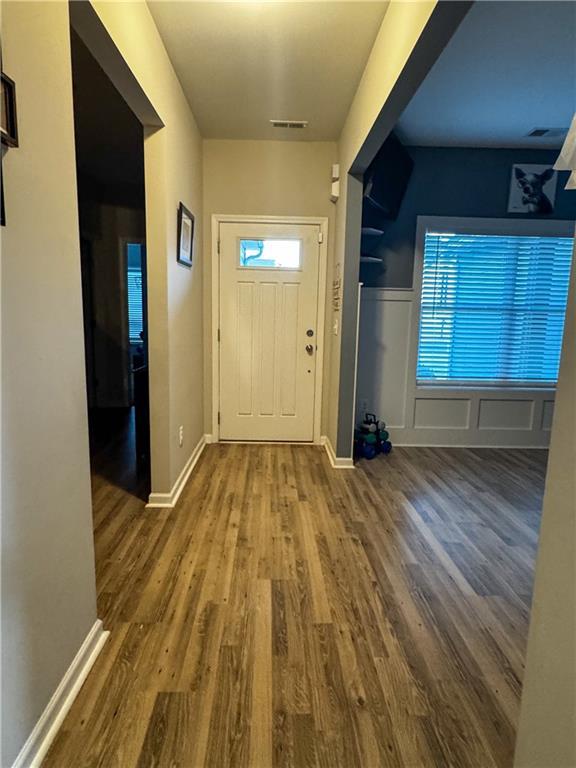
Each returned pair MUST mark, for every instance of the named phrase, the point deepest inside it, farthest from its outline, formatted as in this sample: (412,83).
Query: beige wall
(401,27)
(399,32)
(48,582)
(173,173)
(264,178)
(547,732)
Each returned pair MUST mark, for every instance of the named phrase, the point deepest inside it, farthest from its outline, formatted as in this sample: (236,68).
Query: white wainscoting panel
(441,413)
(506,414)
(436,416)
(547,414)
(385,318)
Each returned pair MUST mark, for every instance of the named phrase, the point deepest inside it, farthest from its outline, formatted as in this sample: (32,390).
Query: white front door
(268,330)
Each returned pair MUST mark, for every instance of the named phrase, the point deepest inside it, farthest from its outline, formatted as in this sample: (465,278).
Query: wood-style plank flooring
(289,614)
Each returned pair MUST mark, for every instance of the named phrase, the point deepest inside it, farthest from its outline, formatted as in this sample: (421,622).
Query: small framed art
(9,124)
(532,189)
(185,244)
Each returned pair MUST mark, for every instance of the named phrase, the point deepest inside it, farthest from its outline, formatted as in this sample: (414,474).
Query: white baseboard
(335,461)
(168,500)
(38,743)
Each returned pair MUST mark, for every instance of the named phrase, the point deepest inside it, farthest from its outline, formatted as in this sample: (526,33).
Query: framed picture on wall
(185,236)
(8,123)
(532,189)
(2,212)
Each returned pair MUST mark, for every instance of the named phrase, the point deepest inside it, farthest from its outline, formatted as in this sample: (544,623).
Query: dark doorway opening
(111,200)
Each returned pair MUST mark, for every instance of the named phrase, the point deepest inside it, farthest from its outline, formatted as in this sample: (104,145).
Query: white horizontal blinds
(134,286)
(492,308)
(135,322)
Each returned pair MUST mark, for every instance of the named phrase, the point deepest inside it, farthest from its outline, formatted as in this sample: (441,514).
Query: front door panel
(268,335)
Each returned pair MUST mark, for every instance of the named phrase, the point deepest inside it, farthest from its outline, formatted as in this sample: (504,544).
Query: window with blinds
(492,309)
(134,284)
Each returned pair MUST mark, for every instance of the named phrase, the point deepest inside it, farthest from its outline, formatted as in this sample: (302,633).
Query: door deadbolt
(309,349)
(310,332)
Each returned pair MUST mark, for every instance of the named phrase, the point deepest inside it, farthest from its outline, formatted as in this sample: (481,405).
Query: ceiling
(242,64)
(510,68)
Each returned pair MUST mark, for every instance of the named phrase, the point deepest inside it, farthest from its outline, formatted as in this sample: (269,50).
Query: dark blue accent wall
(454,182)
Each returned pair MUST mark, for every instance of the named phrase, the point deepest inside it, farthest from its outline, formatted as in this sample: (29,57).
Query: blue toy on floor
(371,438)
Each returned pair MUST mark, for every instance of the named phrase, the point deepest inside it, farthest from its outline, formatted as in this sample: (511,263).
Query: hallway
(289,614)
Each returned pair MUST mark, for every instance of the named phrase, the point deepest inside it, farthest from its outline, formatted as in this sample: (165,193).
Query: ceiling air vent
(289,123)
(550,132)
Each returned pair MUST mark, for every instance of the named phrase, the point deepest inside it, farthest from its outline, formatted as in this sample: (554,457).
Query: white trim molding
(336,461)
(168,500)
(38,743)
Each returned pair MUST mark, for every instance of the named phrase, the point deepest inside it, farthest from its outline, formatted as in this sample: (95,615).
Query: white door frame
(320,221)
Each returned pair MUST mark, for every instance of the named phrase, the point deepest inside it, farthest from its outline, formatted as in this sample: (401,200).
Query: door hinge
(320,236)
(218,247)
(218,417)
(218,335)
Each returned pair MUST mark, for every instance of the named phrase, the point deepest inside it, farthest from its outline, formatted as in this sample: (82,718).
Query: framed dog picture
(532,189)
(185,236)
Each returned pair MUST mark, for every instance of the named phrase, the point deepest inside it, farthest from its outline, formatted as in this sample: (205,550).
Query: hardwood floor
(289,614)
(113,457)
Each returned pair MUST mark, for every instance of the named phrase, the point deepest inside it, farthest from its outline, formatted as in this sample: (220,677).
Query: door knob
(309,349)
